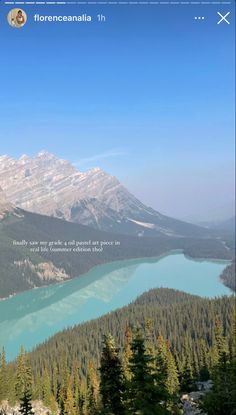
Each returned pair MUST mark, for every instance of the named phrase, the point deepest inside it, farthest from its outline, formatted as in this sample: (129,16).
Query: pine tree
(232,368)
(112,378)
(220,400)
(10,373)
(47,395)
(55,378)
(127,352)
(23,383)
(161,362)
(187,377)
(46,388)
(92,390)
(167,373)
(178,363)
(62,384)
(25,403)
(172,380)
(69,405)
(37,388)
(82,398)
(75,379)
(149,342)
(3,376)
(146,393)
(203,361)
(195,366)
(213,358)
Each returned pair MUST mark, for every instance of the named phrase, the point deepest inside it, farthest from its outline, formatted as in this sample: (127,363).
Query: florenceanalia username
(65,18)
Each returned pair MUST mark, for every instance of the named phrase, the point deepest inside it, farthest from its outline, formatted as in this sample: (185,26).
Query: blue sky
(148,96)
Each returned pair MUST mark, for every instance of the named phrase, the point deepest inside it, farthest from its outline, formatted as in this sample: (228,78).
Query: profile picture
(17,18)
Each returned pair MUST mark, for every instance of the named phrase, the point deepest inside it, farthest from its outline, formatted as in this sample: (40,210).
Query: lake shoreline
(163,255)
(31,317)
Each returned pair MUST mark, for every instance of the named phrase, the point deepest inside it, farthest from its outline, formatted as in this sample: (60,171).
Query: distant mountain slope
(22,269)
(5,206)
(47,185)
(227,225)
(229,277)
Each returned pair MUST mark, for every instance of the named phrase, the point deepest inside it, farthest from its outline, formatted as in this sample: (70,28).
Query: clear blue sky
(148,96)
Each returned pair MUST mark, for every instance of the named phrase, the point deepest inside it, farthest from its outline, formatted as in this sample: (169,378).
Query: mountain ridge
(51,186)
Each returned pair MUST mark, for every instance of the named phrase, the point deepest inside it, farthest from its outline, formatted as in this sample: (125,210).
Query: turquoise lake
(31,317)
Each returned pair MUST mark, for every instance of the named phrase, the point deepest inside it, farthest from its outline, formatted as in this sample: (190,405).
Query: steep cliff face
(48,185)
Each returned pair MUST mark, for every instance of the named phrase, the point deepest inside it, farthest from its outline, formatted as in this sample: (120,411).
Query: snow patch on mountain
(145,225)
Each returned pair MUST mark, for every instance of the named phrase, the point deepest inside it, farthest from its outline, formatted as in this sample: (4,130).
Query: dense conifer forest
(135,360)
(228,276)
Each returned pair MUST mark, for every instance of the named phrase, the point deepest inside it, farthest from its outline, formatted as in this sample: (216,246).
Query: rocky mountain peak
(52,186)
(24,157)
(45,154)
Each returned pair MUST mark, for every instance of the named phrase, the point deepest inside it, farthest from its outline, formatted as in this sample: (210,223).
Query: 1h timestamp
(101,18)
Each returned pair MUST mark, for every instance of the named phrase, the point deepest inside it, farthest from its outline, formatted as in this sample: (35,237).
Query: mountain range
(225,225)
(47,199)
(51,186)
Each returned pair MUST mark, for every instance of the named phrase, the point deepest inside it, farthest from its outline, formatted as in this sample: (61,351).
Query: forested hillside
(177,316)
(135,360)
(228,276)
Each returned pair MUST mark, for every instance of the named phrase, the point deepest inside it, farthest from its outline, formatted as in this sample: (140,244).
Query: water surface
(31,317)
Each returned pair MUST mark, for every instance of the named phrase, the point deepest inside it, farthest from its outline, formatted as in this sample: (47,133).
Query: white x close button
(223,18)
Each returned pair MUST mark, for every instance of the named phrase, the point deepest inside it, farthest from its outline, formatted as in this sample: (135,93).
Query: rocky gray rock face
(48,185)
(190,401)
